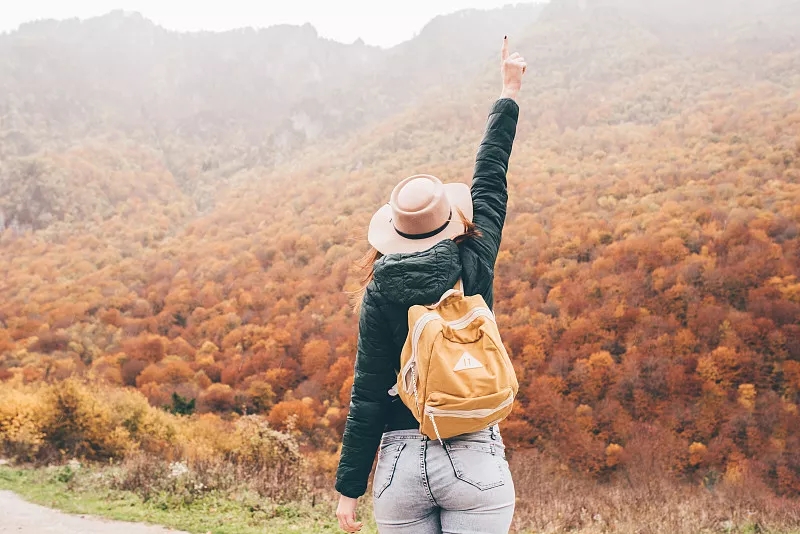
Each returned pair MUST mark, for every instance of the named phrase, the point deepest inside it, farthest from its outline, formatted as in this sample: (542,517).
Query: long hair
(367,262)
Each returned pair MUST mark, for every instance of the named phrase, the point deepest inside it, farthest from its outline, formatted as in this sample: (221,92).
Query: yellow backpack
(455,374)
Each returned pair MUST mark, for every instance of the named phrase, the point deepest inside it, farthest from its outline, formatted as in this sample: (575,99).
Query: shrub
(21,435)
(73,419)
(151,430)
(273,459)
(76,424)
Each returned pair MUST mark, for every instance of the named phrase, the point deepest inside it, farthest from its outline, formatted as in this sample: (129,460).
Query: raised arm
(489,188)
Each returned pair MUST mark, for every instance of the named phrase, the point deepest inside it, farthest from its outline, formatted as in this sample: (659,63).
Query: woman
(426,238)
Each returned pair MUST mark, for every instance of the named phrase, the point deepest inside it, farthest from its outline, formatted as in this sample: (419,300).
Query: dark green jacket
(403,280)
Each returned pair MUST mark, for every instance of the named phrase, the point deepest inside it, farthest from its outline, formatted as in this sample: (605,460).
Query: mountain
(215,103)
(272,90)
(647,287)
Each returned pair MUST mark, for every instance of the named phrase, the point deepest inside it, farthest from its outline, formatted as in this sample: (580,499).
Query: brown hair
(367,262)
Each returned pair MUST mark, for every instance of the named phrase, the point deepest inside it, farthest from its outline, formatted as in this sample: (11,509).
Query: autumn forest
(180,215)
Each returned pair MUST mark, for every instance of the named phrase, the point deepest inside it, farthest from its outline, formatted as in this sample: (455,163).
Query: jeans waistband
(412,434)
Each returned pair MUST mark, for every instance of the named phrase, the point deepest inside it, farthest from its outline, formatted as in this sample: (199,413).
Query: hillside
(210,104)
(647,286)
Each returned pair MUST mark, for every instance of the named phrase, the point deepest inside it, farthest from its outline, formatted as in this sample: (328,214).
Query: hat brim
(383,236)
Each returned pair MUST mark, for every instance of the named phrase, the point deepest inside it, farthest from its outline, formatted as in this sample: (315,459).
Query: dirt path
(21,517)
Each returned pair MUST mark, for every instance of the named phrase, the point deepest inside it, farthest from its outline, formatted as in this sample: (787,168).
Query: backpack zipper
(459,324)
(470,414)
(419,326)
(436,429)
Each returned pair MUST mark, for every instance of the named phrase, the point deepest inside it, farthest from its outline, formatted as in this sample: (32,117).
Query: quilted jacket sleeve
(489,188)
(369,402)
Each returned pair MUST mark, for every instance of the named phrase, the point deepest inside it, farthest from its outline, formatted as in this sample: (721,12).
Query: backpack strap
(458,289)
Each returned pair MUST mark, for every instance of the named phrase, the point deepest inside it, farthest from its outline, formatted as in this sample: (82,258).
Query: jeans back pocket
(384,471)
(478,464)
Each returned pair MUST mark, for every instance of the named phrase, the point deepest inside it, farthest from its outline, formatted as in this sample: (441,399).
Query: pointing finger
(504,50)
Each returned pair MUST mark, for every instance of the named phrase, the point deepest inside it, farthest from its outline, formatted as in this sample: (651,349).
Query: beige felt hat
(421,212)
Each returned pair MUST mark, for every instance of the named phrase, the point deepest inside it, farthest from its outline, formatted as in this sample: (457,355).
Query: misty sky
(377,22)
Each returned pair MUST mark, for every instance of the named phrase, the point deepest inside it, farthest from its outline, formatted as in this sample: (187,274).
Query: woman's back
(414,273)
(399,283)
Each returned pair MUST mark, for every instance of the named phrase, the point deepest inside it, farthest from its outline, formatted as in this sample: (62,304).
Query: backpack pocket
(447,416)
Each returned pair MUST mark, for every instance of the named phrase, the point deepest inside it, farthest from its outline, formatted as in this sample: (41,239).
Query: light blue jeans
(463,487)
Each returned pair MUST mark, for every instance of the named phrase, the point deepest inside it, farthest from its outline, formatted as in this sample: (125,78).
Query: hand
(512,67)
(346,513)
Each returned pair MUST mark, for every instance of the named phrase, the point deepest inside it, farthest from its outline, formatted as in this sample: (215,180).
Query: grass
(206,474)
(547,504)
(83,493)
